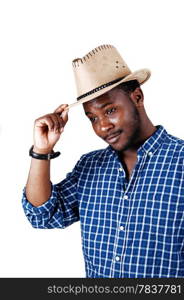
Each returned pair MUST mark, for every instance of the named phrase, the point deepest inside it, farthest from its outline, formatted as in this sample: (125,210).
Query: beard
(133,137)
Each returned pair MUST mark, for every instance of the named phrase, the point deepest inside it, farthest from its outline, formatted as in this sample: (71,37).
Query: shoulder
(175,143)
(96,155)
(175,140)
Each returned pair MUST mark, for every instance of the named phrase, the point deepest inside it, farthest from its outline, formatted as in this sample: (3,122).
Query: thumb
(64,116)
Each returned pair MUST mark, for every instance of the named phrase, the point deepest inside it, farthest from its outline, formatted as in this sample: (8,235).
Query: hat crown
(98,67)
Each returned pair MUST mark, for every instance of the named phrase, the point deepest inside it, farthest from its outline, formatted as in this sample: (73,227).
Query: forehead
(111,97)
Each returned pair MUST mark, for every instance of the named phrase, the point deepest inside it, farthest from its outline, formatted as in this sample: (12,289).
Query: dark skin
(120,120)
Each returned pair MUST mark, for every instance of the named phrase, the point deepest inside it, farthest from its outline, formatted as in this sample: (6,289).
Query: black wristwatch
(43,156)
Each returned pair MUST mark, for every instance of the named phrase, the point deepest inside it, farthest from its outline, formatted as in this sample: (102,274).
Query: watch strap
(43,156)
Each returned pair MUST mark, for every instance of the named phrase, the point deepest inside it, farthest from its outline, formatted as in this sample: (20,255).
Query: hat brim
(141,76)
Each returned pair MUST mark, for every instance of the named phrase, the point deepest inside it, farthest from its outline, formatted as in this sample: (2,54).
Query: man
(129,197)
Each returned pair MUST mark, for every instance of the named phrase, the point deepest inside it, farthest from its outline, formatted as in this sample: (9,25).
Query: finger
(58,122)
(61,123)
(62,111)
(64,116)
(45,121)
(61,108)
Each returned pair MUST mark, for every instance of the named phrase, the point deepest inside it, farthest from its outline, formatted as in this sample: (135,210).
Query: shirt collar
(151,145)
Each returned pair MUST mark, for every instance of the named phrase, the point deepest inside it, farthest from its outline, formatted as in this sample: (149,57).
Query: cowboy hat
(101,70)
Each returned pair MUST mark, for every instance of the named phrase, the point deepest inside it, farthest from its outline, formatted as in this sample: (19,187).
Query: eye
(110,110)
(92,119)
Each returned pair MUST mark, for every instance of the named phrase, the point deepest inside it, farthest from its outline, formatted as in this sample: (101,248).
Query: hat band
(100,88)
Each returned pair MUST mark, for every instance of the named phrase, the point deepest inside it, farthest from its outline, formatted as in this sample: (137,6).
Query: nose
(105,125)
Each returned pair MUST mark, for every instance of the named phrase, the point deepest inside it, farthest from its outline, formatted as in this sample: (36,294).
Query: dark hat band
(100,88)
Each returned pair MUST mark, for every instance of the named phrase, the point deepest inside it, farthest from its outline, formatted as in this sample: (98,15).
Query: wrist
(42,150)
(43,156)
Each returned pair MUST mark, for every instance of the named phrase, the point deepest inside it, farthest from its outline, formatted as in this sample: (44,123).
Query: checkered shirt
(132,229)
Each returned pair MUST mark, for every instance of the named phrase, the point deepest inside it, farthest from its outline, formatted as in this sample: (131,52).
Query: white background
(39,40)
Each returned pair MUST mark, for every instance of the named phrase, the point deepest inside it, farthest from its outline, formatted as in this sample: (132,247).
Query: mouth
(113,138)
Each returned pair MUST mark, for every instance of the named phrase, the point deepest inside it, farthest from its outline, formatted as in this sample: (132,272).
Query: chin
(119,147)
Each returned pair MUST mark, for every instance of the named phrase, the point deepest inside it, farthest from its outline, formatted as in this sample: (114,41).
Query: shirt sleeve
(61,209)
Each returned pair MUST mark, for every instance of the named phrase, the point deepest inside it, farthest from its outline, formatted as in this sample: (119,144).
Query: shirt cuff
(44,208)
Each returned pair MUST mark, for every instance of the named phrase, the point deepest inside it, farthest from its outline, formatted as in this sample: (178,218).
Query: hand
(48,129)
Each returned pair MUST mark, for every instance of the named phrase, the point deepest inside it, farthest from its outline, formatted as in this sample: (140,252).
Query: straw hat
(101,70)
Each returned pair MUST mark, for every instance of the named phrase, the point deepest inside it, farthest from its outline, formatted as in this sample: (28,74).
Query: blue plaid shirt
(129,228)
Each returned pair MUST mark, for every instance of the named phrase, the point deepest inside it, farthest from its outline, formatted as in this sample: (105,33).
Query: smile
(113,138)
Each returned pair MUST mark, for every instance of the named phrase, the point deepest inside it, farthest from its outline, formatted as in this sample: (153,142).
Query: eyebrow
(101,106)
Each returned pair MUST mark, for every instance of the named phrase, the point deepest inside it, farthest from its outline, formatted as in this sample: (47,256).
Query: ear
(137,97)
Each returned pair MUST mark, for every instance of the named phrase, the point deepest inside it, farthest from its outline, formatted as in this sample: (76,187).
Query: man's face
(115,119)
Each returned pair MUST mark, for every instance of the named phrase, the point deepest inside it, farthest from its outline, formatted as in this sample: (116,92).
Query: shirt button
(117,258)
(121,228)
(120,169)
(150,153)
(125,197)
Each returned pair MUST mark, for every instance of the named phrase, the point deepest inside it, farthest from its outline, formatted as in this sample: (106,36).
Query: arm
(38,187)
(47,131)
(61,209)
